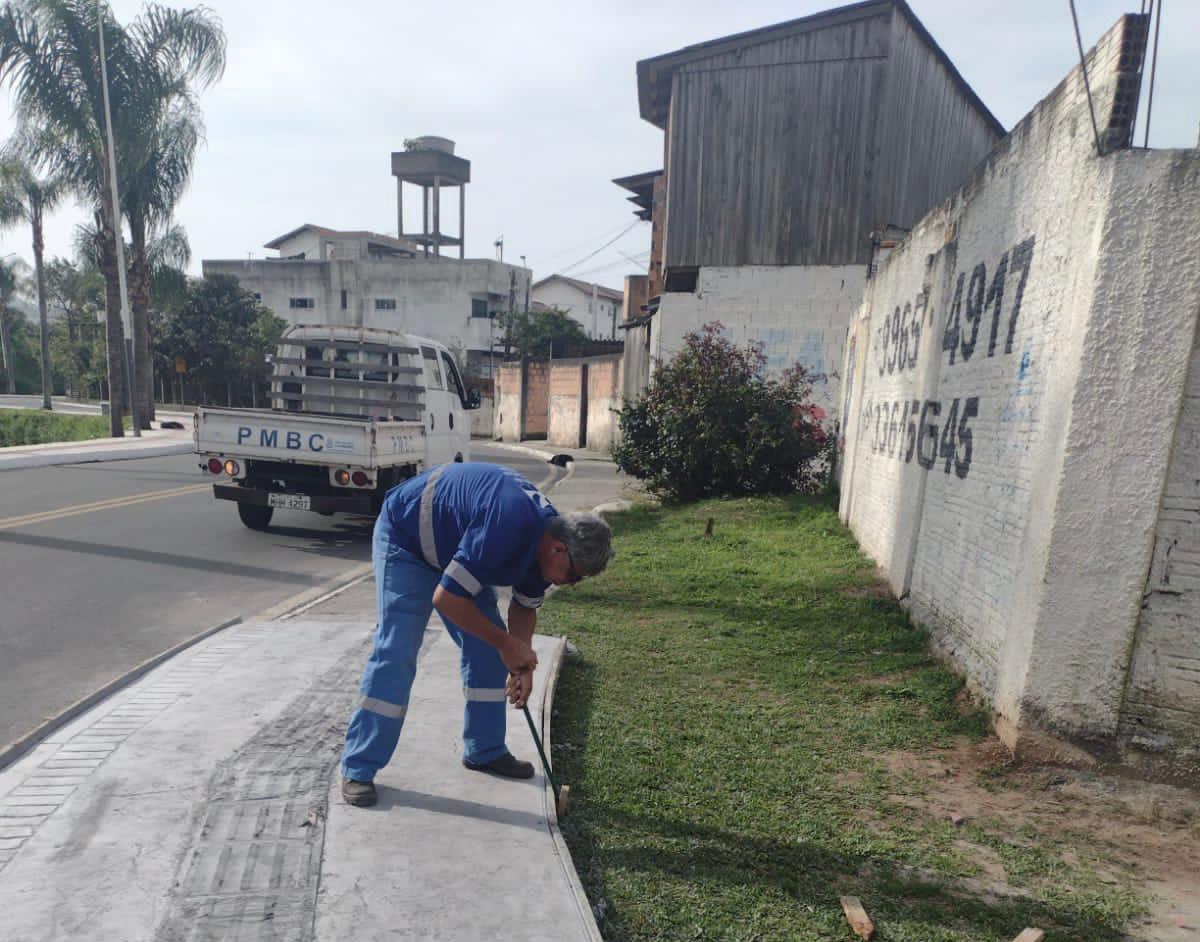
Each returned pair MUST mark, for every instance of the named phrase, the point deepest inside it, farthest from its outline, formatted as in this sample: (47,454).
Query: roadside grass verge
(729,729)
(35,427)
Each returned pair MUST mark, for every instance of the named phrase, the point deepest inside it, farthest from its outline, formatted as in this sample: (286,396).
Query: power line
(591,271)
(575,247)
(591,255)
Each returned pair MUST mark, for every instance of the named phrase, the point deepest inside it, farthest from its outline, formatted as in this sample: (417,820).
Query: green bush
(712,423)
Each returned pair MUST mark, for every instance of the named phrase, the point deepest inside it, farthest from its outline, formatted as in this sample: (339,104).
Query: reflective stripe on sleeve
(428,541)
(484,694)
(526,602)
(394,711)
(462,575)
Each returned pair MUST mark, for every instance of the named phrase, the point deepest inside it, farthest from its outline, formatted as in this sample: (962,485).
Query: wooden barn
(790,151)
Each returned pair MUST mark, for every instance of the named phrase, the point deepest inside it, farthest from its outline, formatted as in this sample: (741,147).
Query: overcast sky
(541,97)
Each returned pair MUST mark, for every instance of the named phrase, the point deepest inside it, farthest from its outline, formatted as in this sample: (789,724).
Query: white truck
(354,411)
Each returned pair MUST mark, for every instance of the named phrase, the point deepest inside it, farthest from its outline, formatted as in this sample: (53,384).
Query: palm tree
(150,201)
(49,54)
(24,197)
(12,284)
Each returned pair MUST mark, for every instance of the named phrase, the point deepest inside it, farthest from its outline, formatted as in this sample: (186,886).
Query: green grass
(35,427)
(720,729)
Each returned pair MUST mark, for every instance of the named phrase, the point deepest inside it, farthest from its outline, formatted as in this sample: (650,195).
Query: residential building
(355,278)
(594,306)
(790,152)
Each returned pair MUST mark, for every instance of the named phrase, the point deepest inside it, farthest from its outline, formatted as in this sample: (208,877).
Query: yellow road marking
(45,516)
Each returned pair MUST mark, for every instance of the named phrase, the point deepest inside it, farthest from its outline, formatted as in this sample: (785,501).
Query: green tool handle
(537,741)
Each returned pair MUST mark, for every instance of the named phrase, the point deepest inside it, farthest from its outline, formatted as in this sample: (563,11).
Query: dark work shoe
(507,765)
(359,794)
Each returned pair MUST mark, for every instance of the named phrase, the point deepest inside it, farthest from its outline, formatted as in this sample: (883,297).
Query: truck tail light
(342,477)
(232,468)
(360,479)
(214,465)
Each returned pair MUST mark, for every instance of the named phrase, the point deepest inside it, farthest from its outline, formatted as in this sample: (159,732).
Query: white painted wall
(433,297)
(799,315)
(596,319)
(1022,536)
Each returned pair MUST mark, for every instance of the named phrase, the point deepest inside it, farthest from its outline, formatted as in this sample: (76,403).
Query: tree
(49,54)
(714,423)
(76,294)
(532,333)
(223,334)
(24,197)
(12,286)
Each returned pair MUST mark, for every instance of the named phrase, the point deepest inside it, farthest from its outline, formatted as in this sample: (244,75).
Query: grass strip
(722,729)
(37,427)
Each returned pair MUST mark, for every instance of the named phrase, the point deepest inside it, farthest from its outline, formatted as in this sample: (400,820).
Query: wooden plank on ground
(1030,935)
(859,921)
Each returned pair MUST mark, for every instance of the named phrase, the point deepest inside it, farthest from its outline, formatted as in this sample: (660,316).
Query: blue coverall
(467,527)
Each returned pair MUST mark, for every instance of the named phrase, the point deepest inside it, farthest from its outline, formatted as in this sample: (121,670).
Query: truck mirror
(473,400)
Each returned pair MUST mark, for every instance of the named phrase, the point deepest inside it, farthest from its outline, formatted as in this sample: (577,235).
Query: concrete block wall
(536,400)
(798,313)
(1161,711)
(605,383)
(483,419)
(1012,387)
(566,402)
(508,403)
(553,401)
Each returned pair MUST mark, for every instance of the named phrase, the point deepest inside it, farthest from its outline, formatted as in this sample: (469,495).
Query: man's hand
(518,656)
(519,688)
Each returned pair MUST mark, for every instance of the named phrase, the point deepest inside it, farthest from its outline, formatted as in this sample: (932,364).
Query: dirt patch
(876,590)
(1128,831)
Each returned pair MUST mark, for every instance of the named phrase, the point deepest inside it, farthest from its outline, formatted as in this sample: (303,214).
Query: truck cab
(354,412)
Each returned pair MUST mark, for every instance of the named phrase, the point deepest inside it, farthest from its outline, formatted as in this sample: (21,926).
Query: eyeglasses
(573,574)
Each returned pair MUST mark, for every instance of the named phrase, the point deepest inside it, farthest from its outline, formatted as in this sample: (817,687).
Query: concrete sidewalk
(153,443)
(202,803)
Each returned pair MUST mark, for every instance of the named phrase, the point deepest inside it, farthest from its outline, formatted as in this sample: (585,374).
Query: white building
(594,306)
(363,279)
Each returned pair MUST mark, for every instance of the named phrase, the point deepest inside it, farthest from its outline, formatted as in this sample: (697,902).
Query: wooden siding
(770,150)
(790,152)
(931,135)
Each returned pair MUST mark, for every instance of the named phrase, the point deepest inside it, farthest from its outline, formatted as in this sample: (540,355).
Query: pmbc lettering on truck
(269,438)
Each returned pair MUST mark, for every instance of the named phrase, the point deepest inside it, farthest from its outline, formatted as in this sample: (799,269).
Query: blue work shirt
(485,523)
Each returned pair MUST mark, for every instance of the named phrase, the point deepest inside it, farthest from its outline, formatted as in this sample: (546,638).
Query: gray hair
(588,540)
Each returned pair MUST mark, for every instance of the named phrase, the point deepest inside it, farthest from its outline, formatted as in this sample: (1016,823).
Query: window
(315,353)
(452,378)
(342,355)
(433,377)
(297,303)
(345,298)
(385,304)
(479,307)
(258,296)
(378,364)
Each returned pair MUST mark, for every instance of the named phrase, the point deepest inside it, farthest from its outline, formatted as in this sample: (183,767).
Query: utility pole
(126,321)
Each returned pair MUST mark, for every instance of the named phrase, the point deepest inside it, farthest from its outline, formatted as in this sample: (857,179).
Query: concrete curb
(586,915)
(85,456)
(14,750)
(525,450)
(612,507)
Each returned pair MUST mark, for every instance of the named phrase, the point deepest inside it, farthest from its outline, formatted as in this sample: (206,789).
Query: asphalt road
(105,565)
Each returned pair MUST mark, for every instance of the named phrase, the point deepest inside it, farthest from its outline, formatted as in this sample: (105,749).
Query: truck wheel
(254,516)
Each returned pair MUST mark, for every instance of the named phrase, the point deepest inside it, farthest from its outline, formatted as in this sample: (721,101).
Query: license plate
(290,501)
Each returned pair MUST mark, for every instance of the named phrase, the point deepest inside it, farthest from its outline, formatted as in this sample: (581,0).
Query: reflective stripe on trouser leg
(404,593)
(484,676)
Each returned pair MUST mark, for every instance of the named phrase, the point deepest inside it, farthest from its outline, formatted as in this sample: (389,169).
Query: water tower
(429,162)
